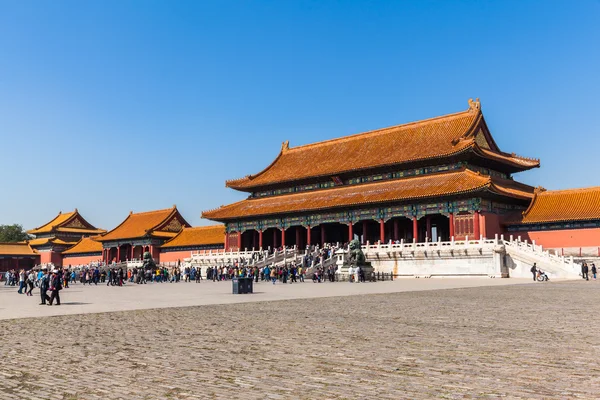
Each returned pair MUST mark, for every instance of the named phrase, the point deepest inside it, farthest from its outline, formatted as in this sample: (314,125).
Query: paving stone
(535,341)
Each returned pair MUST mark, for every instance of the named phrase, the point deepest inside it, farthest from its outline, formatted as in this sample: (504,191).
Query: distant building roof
(197,236)
(85,245)
(563,205)
(160,223)
(67,222)
(17,249)
(49,240)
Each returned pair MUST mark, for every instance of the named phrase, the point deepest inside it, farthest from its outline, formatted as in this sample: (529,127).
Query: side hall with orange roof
(85,252)
(62,232)
(567,221)
(427,180)
(141,232)
(17,256)
(197,239)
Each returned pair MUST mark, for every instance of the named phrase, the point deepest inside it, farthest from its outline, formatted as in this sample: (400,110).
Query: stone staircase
(523,255)
(258,258)
(470,257)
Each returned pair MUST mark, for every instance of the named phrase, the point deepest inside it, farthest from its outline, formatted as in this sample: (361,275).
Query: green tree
(13,233)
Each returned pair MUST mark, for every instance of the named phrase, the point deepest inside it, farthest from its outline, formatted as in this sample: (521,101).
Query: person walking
(55,287)
(594,271)
(44,285)
(30,281)
(534,271)
(585,272)
(21,281)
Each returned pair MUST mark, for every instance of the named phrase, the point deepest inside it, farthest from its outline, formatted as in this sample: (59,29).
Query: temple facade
(426,181)
(62,232)
(141,232)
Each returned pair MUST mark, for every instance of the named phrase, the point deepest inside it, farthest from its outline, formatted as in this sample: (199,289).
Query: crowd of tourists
(50,280)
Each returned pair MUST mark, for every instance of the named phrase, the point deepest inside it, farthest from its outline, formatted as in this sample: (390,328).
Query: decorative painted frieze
(379,177)
(418,210)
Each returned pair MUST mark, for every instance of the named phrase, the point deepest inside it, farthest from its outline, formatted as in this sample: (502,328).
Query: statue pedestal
(343,264)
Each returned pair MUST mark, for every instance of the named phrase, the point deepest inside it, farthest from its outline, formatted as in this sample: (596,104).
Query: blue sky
(112,106)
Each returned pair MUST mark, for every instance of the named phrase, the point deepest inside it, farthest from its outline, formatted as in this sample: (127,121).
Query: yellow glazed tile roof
(85,245)
(564,205)
(198,236)
(422,140)
(413,188)
(46,240)
(150,223)
(67,222)
(57,221)
(17,249)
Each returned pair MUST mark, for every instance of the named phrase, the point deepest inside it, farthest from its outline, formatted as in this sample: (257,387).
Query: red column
(226,245)
(350,233)
(381,231)
(428,221)
(364,226)
(415,229)
(476,225)
(396,229)
(131,258)
(260,239)
(308,235)
(451,225)
(239,241)
(119,253)
(322,234)
(282,237)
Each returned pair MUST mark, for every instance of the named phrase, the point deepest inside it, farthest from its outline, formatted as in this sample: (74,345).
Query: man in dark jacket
(55,287)
(534,271)
(44,285)
(584,272)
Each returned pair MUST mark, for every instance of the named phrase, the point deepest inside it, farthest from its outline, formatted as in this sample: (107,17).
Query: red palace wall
(51,257)
(173,256)
(80,260)
(490,225)
(567,238)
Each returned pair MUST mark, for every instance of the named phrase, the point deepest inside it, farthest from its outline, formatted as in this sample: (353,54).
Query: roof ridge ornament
(474,105)
(285,146)
(539,189)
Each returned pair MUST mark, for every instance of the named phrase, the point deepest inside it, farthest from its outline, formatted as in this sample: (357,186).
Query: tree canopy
(13,233)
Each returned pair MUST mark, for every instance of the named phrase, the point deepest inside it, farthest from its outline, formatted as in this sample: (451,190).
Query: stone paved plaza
(535,341)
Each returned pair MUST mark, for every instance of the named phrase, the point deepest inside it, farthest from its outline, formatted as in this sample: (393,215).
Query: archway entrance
(271,238)
(249,240)
(138,252)
(434,227)
(399,228)
(367,230)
